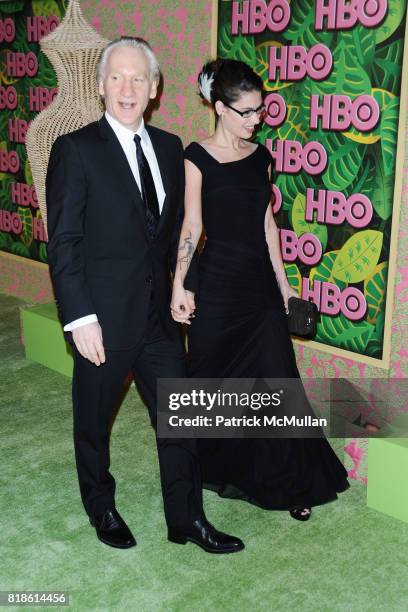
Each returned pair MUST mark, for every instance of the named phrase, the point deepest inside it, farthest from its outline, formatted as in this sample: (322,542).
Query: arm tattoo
(186,251)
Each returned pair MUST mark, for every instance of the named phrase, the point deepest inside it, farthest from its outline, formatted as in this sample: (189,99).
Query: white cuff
(92,318)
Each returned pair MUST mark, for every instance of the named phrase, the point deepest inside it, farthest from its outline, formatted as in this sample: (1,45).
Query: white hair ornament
(205,82)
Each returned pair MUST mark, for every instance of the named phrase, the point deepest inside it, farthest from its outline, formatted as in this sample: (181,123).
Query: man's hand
(182,305)
(88,340)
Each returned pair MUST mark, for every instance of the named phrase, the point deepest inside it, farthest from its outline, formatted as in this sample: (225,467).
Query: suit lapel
(120,168)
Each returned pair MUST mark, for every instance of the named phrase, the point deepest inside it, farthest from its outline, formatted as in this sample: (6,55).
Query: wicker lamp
(73,49)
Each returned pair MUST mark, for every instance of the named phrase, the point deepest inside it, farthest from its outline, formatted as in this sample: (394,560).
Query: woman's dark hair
(227,80)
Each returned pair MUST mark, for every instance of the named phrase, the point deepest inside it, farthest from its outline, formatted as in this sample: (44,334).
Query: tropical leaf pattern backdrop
(365,61)
(23,244)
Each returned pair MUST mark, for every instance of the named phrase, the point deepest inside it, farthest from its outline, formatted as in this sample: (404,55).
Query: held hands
(287,291)
(182,304)
(88,340)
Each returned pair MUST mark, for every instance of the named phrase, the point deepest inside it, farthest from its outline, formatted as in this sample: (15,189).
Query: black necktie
(149,194)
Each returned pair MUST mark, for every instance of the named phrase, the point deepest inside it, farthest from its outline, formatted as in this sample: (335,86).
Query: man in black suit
(115,191)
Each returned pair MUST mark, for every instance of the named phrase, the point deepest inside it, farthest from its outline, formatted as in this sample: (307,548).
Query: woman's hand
(182,304)
(287,291)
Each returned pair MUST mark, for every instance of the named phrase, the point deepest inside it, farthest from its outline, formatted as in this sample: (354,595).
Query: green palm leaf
(383,188)
(375,291)
(293,276)
(324,271)
(301,30)
(301,226)
(345,158)
(236,47)
(389,135)
(343,333)
(358,256)
(386,67)
(395,13)
(26,217)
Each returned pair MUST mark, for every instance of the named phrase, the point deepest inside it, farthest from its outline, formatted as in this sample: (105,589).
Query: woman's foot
(301,514)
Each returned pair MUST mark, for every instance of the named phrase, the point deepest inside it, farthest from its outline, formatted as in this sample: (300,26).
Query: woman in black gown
(240,327)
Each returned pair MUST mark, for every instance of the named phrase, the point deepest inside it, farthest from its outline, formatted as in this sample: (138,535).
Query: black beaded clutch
(302,317)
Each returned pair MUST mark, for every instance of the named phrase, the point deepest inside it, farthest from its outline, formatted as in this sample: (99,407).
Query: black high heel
(301,514)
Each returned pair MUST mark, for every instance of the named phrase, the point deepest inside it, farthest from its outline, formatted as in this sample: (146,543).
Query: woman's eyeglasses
(246,114)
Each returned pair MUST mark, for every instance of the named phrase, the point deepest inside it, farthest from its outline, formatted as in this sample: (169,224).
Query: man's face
(126,86)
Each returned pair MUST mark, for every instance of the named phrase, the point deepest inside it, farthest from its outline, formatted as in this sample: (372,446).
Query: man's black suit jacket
(101,260)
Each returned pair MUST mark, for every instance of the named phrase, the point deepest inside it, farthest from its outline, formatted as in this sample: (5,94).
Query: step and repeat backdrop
(27,86)
(332,73)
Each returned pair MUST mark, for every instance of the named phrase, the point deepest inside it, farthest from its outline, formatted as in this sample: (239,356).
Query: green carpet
(346,558)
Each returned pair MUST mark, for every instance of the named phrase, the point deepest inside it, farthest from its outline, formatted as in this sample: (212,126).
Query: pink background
(180,33)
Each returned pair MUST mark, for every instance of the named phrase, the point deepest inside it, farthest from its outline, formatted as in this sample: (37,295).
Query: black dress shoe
(202,533)
(112,530)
